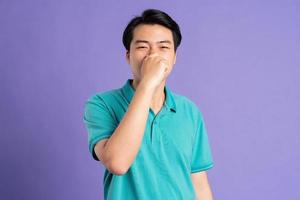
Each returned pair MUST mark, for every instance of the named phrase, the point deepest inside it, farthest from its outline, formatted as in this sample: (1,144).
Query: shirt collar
(128,91)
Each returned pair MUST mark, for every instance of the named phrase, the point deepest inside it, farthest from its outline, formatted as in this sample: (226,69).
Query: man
(152,142)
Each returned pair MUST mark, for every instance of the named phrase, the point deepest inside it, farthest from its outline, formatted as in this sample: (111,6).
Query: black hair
(152,16)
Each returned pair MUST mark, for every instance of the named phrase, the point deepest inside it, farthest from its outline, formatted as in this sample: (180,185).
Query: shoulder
(104,97)
(101,104)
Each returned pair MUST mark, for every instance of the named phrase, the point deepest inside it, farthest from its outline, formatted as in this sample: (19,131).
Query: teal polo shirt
(175,144)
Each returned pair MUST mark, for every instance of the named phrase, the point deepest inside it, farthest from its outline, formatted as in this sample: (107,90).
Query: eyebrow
(145,41)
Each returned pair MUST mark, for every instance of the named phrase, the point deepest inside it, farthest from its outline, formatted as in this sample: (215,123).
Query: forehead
(152,33)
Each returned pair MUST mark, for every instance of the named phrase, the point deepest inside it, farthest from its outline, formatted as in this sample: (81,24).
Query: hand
(154,70)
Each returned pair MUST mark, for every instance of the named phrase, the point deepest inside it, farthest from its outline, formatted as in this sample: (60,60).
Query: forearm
(124,144)
(201,186)
(204,193)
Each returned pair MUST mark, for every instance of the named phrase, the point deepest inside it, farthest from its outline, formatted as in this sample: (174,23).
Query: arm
(120,150)
(201,186)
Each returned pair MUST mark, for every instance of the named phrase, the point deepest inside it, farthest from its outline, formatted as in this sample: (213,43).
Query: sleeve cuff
(206,167)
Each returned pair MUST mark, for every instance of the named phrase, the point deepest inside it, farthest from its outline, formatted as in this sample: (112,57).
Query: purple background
(239,62)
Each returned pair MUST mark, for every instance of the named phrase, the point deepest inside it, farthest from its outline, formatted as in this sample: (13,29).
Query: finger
(164,61)
(152,55)
(166,67)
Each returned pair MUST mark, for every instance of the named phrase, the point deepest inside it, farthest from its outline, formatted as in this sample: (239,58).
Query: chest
(168,139)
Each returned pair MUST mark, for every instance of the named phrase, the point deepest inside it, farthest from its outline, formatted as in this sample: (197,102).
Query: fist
(154,69)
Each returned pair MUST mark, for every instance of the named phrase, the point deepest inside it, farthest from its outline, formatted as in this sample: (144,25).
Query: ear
(127,57)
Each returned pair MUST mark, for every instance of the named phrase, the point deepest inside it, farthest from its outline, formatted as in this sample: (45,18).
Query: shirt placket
(155,130)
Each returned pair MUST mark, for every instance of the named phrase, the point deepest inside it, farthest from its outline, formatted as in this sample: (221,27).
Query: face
(148,39)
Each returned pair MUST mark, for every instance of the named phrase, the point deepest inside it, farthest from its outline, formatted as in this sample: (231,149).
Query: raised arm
(120,150)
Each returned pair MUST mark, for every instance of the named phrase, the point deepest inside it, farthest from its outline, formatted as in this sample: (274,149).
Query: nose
(152,50)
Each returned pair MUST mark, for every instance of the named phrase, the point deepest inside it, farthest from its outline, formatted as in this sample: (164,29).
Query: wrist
(146,87)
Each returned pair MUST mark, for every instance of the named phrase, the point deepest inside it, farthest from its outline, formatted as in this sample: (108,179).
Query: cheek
(137,57)
(171,59)
(168,55)
(136,61)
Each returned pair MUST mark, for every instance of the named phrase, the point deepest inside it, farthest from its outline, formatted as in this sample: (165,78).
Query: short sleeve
(201,157)
(99,122)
